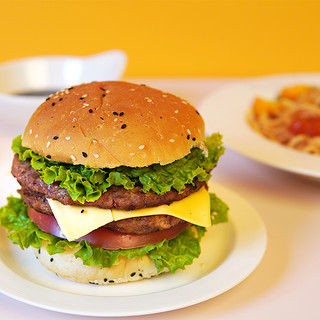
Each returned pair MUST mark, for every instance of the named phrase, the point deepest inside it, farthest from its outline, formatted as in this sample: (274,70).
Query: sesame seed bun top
(114,123)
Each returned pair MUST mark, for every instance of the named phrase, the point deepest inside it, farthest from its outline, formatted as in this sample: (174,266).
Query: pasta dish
(293,119)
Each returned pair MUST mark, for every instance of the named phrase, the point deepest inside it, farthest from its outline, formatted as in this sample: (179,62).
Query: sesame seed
(36,136)
(48,156)
(176,111)
(90,110)
(164,95)
(48,99)
(30,131)
(141,146)
(94,140)
(84,154)
(123,126)
(132,274)
(73,158)
(184,102)
(171,140)
(188,131)
(102,89)
(193,139)
(116,119)
(132,154)
(96,155)
(121,114)
(82,211)
(132,89)
(51,259)
(74,120)
(107,91)
(101,118)
(48,144)
(115,113)
(85,104)
(60,99)
(188,136)
(103,95)
(55,138)
(53,104)
(83,96)
(67,138)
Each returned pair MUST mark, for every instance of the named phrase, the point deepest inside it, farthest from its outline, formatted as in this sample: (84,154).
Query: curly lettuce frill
(84,183)
(173,254)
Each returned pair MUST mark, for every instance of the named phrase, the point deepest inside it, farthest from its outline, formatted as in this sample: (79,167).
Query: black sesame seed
(115,113)
(48,99)
(140,275)
(197,112)
(105,279)
(142,84)
(84,154)
(193,139)
(60,99)
(73,126)
(51,259)
(39,250)
(123,126)
(104,95)
(55,138)
(81,98)
(90,110)
(132,274)
(48,156)
(111,281)
(82,211)
(188,136)
(101,118)
(102,89)
(70,88)
(121,114)
(53,104)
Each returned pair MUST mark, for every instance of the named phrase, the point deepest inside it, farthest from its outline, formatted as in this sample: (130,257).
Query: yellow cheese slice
(194,209)
(77,221)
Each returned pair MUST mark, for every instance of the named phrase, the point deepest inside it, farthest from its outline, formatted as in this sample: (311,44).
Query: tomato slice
(105,238)
(305,125)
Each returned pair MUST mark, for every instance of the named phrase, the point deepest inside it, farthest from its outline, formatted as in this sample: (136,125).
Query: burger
(113,180)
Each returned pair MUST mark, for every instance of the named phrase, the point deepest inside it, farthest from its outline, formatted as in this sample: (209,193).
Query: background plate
(225,111)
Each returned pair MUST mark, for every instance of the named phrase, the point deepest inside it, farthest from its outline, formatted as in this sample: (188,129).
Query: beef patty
(35,193)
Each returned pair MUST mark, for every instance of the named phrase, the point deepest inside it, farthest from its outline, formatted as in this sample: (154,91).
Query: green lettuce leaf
(84,183)
(173,254)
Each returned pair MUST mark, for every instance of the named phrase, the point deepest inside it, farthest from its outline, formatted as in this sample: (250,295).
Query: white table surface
(286,283)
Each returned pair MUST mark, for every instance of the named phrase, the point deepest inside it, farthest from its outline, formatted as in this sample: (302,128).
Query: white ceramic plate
(225,111)
(241,242)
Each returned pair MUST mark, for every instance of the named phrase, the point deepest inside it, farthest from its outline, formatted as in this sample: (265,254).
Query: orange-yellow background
(170,38)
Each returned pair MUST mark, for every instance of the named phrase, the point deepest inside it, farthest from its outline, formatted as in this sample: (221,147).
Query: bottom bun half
(66,265)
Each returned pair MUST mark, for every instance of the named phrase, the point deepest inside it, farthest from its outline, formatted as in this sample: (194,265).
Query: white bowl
(25,82)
